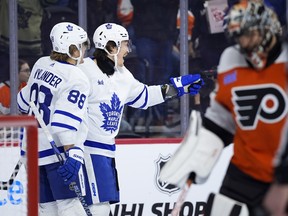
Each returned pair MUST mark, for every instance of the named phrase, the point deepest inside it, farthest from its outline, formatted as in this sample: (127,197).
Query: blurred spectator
(47,3)
(154,24)
(29,41)
(176,53)
(24,73)
(208,40)
(54,13)
(191,23)
(99,12)
(125,12)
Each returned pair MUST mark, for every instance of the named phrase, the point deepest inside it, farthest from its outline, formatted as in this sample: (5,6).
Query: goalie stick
(7,184)
(73,185)
(181,198)
(168,170)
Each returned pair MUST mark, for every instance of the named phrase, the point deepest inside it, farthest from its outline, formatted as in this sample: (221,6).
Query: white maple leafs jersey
(106,104)
(60,92)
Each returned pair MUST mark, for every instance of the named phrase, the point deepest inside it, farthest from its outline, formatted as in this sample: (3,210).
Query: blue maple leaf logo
(108,26)
(69,27)
(111,114)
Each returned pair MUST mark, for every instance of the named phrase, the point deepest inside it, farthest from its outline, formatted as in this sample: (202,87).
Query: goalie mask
(247,17)
(65,34)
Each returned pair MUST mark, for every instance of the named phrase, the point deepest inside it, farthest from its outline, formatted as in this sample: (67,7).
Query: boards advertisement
(138,162)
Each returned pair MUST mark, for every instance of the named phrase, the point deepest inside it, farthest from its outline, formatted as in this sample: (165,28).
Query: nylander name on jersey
(47,77)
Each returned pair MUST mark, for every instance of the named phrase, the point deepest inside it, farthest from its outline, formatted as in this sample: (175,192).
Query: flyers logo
(266,103)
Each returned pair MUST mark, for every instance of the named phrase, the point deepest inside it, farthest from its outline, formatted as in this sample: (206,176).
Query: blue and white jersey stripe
(65,120)
(106,103)
(23,105)
(60,92)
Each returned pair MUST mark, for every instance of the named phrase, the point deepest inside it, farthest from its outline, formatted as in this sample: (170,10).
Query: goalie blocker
(197,154)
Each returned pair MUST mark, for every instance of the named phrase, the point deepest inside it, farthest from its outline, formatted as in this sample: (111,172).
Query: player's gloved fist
(69,170)
(187,84)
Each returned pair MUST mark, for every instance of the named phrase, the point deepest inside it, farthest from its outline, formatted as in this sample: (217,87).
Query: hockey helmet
(65,34)
(109,32)
(251,15)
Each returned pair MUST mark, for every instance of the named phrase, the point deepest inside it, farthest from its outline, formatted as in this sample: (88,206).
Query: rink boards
(138,162)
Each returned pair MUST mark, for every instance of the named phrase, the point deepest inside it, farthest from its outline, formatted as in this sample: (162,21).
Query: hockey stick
(7,184)
(181,198)
(73,185)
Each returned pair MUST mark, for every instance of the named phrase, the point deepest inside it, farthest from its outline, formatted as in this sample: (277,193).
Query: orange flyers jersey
(5,97)
(257,104)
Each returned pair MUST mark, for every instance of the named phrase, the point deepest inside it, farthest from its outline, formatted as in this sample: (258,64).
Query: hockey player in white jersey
(60,91)
(113,87)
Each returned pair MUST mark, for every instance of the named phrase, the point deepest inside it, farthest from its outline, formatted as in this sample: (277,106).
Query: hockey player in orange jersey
(249,110)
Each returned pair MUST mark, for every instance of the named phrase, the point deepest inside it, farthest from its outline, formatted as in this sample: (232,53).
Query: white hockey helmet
(65,34)
(109,32)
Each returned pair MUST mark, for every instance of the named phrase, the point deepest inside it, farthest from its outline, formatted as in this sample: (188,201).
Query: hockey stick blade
(181,198)
(73,186)
(7,184)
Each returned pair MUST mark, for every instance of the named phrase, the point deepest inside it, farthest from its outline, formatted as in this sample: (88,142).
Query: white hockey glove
(197,154)
(69,170)
(187,84)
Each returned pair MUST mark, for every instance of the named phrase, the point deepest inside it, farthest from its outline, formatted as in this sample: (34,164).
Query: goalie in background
(249,110)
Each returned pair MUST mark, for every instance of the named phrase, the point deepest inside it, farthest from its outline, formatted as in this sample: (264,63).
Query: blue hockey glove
(187,84)
(69,170)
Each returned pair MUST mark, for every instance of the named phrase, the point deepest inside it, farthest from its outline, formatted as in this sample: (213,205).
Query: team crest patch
(69,27)
(111,114)
(164,186)
(259,103)
(108,26)
(100,82)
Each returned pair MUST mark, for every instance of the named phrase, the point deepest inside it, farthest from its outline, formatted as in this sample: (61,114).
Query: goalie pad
(70,207)
(218,204)
(198,153)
